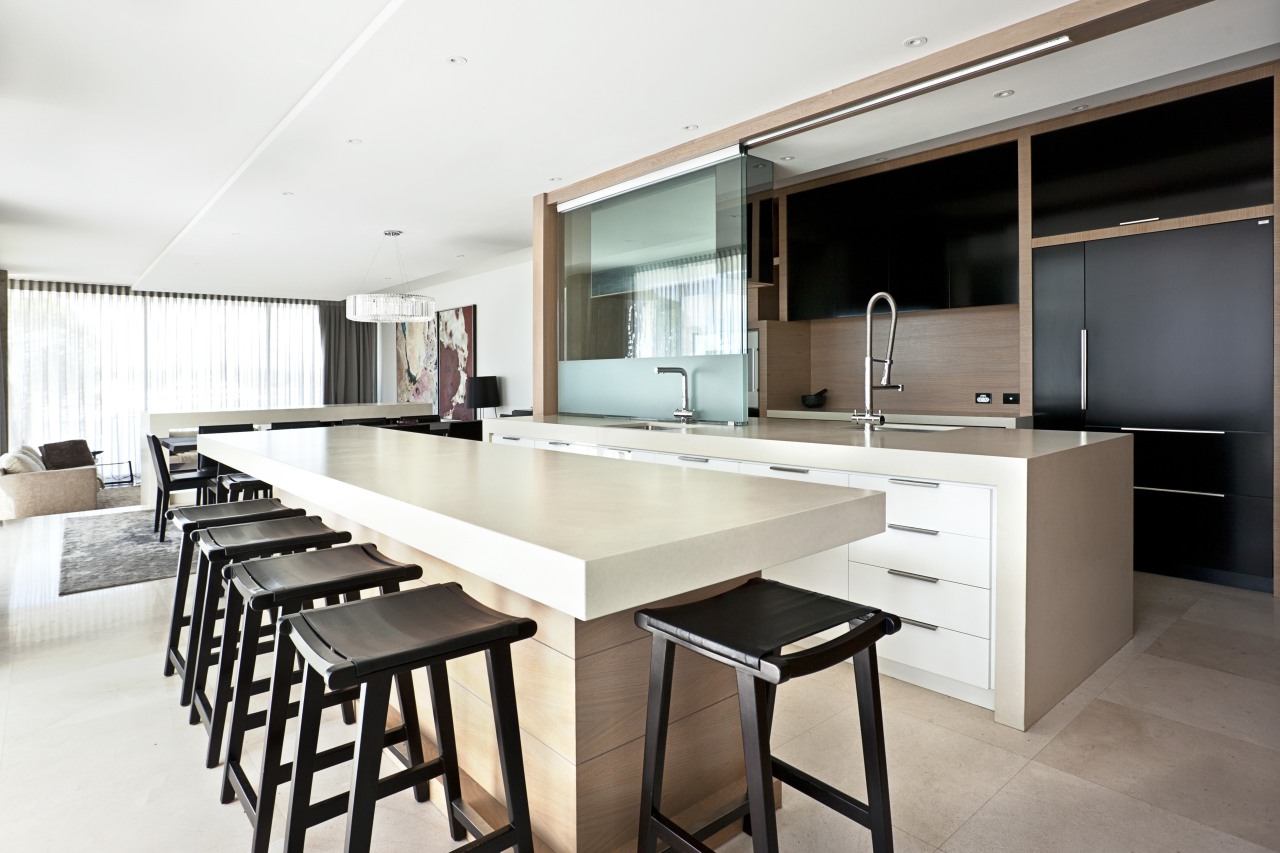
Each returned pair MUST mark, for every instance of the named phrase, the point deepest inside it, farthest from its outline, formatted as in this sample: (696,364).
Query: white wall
(502,291)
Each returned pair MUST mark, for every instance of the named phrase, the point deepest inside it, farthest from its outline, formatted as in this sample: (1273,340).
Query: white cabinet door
(795,472)
(709,463)
(931,504)
(615,452)
(948,605)
(941,651)
(514,440)
(566,447)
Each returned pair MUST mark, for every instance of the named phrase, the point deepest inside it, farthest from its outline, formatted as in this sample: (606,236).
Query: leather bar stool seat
(240,486)
(219,546)
(187,520)
(747,628)
(369,645)
(287,583)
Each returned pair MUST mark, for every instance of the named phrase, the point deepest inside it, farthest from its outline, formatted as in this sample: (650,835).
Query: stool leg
(655,740)
(374,695)
(506,720)
(203,660)
(273,745)
(295,830)
(197,625)
(753,706)
(413,732)
(231,640)
(442,710)
(866,676)
(155,524)
(250,628)
(163,510)
(179,604)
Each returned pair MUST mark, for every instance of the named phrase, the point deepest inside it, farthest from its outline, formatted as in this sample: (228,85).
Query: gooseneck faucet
(868,420)
(683,414)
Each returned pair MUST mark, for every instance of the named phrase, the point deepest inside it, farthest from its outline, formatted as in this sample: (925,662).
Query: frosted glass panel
(658,277)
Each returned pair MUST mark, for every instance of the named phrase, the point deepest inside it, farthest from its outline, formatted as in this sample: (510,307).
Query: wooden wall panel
(942,357)
(784,365)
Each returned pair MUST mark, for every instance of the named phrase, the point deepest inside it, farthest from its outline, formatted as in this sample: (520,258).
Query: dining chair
(201,479)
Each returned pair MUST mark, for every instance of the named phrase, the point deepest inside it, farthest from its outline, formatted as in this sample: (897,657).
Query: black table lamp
(482,393)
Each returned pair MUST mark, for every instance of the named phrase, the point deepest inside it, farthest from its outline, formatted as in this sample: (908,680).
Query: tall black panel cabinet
(1177,348)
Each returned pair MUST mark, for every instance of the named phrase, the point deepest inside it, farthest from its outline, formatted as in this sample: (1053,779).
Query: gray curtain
(350,356)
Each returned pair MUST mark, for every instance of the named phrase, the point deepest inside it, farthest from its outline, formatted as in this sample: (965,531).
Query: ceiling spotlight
(555,180)
(1003,93)
(1079,108)
(788,157)
(235,233)
(915,41)
(286,193)
(690,127)
(457,60)
(459,256)
(354,141)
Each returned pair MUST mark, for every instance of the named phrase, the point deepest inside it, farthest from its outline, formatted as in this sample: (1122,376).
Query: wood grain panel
(1083,20)
(785,372)
(942,357)
(1199,219)
(546,276)
(1026,290)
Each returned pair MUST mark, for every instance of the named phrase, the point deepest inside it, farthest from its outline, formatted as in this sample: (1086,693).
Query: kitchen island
(578,544)
(1009,551)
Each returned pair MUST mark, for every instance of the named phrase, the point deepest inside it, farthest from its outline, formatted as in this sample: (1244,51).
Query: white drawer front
(513,439)
(932,505)
(567,447)
(685,461)
(949,605)
(962,559)
(947,653)
(793,472)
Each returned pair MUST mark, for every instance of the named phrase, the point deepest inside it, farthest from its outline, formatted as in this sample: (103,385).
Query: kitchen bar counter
(577,544)
(1026,546)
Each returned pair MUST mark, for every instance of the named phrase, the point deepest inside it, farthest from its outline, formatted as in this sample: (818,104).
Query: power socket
(1013,399)
(982,397)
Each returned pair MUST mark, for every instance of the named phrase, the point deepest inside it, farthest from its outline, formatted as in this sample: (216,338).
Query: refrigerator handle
(1084,369)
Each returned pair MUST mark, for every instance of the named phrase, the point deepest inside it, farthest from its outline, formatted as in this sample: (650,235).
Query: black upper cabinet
(941,234)
(1196,155)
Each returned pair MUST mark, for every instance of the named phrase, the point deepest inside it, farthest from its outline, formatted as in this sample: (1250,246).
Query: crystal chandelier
(390,307)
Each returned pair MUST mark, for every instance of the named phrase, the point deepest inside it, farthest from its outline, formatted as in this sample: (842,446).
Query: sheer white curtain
(91,361)
(689,306)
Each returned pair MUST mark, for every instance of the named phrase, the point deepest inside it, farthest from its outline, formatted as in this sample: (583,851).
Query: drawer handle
(702,459)
(922,483)
(926,531)
(1180,492)
(912,575)
(558,443)
(787,470)
(511,438)
(924,625)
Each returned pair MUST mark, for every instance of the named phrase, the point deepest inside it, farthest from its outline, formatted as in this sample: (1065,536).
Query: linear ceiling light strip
(913,89)
(652,178)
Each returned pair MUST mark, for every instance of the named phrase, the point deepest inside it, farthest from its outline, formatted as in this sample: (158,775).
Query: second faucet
(683,414)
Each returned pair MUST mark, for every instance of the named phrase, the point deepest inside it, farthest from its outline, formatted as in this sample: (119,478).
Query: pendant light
(390,307)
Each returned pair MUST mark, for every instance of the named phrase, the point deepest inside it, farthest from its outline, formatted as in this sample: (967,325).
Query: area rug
(119,496)
(102,550)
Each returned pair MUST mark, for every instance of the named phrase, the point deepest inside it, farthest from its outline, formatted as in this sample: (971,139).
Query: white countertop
(585,535)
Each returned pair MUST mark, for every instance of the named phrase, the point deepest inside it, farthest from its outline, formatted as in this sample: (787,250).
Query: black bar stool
(289,583)
(188,520)
(368,644)
(219,546)
(746,628)
(238,486)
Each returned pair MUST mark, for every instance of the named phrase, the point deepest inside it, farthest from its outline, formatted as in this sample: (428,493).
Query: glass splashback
(657,277)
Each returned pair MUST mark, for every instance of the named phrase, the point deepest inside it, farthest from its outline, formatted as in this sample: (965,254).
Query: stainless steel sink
(915,428)
(655,427)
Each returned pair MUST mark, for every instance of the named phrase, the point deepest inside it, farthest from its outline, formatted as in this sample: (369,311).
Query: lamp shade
(482,392)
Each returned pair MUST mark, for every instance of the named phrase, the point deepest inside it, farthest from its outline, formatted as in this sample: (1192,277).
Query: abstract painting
(456,360)
(415,363)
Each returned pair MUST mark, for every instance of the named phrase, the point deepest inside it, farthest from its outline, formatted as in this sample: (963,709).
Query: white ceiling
(152,143)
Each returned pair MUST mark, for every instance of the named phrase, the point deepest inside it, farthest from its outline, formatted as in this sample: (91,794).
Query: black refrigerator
(1168,336)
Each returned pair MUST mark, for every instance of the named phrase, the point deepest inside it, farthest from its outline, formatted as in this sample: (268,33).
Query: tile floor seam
(994,794)
(1143,803)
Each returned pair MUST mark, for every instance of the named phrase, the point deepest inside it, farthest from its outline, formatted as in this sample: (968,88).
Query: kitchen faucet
(683,414)
(868,420)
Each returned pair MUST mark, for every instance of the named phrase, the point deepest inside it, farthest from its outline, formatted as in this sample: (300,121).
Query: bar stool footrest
(814,788)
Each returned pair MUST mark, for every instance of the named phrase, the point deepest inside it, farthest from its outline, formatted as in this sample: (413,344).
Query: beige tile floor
(1173,745)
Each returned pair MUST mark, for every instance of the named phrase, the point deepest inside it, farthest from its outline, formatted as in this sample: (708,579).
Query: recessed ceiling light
(235,233)
(1079,108)
(354,141)
(457,60)
(690,127)
(286,193)
(915,41)
(788,157)
(459,256)
(554,180)
(1003,93)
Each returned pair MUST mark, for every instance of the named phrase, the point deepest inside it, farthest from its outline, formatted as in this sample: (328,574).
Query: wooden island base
(582,689)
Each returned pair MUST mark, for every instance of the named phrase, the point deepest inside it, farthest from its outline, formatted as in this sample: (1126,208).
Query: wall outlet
(982,397)
(1011,398)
